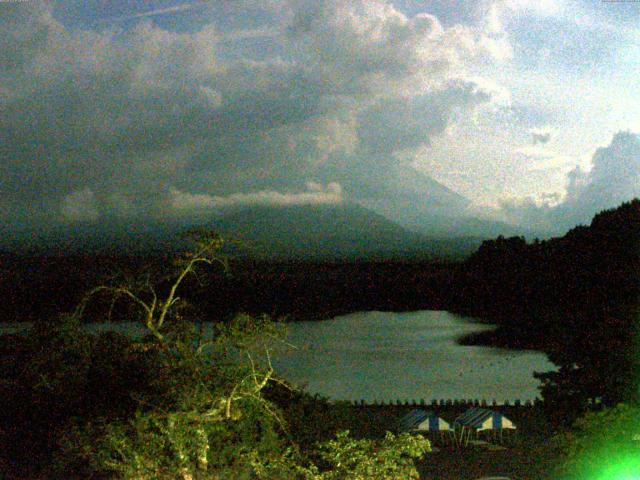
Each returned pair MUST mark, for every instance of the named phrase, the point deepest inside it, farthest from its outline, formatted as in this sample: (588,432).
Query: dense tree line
(45,286)
(575,297)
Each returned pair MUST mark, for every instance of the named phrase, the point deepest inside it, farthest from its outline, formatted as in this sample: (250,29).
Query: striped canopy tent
(481,419)
(423,421)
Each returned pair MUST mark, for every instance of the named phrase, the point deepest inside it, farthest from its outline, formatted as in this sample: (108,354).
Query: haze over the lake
(520,110)
(413,355)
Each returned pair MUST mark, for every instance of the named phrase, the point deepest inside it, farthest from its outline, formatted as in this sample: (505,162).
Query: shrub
(603,445)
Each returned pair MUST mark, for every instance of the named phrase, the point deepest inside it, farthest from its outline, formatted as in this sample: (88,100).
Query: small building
(481,421)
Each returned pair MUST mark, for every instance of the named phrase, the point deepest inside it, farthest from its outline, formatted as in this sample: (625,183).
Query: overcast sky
(158,108)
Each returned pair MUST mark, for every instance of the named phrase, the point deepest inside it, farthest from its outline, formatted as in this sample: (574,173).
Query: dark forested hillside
(575,297)
(592,267)
(334,232)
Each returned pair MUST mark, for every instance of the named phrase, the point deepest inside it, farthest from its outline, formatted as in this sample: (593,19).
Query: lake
(414,355)
(389,356)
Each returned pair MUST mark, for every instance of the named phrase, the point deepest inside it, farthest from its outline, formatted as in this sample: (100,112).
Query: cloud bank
(316,194)
(134,120)
(614,178)
(247,102)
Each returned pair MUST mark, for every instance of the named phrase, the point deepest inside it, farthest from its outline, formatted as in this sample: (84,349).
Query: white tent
(423,421)
(481,419)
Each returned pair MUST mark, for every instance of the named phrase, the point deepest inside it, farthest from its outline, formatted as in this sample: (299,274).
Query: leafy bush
(346,458)
(212,418)
(602,445)
(177,405)
(56,373)
(393,457)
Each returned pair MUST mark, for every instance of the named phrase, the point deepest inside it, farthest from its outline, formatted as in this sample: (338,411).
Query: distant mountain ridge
(301,231)
(451,227)
(337,231)
(417,202)
(395,190)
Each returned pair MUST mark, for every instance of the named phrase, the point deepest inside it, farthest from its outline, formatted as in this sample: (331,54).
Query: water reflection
(389,356)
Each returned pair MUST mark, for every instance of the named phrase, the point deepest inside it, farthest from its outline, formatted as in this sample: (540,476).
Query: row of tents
(475,422)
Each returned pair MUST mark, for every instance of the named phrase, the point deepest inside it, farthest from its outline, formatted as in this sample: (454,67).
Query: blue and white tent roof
(483,419)
(421,420)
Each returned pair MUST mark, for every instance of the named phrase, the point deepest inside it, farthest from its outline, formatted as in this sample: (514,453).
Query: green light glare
(603,445)
(624,469)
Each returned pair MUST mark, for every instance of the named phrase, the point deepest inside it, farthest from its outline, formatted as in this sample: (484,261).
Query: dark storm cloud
(110,104)
(396,124)
(111,122)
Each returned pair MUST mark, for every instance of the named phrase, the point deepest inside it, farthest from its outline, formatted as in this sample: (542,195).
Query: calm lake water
(414,355)
(389,356)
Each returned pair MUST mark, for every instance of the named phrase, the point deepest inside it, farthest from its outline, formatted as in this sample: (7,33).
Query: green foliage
(601,442)
(312,419)
(58,362)
(574,297)
(179,404)
(346,458)
(209,416)
(218,423)
(59,381)
(186,444)
(390,458)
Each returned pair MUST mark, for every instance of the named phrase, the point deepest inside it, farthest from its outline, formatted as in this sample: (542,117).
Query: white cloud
(129,112)
(316,194)
(169,61)
(370,46)
(260,107)
(615,175)
(535,152)
(543,8)
(495,16)
(498,46)
(614,178)
(499,12)
(251,33)
(159,11)
(336,134)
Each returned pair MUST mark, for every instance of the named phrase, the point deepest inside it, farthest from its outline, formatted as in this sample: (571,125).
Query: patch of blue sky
(559,45)
(448,12)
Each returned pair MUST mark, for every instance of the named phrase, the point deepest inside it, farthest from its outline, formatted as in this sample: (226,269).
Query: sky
(521,110)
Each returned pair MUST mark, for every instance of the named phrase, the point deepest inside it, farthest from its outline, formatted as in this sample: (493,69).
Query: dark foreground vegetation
(77,405)
(46,285)
(172,405)
(575,298)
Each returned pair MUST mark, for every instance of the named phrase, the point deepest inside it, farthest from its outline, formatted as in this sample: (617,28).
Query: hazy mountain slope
(416,201)
(395,190)
(451,227)
(310,231)
(330,231)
